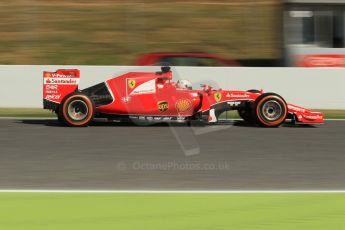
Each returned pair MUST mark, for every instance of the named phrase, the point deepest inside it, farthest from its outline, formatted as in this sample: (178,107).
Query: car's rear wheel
(270,110)
(77,110)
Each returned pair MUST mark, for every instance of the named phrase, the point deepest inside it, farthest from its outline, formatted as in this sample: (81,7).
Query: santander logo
(61,81)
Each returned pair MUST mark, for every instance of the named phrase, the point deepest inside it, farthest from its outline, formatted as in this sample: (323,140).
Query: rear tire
(60,119)
(76,110)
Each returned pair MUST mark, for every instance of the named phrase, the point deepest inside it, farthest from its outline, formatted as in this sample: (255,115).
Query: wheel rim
(77,110)
(272,110)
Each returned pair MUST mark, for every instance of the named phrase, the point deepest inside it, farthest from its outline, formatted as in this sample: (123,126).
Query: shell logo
(183,105)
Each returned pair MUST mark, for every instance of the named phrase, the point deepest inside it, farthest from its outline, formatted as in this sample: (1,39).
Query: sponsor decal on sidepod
(183,105)
(163,106)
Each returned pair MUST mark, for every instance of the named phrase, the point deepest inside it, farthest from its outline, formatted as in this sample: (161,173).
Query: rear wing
(56,85)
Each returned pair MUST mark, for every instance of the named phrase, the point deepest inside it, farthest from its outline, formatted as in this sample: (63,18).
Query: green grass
(25,112)
(37,112)
(166,211)
(333,113)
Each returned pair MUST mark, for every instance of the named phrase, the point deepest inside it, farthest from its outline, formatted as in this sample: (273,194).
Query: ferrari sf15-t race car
(154,97)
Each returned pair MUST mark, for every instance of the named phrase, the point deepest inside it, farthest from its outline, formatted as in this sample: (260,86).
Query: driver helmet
(183,84)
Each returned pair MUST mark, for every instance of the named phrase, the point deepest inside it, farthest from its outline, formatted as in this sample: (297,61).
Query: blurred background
(193,33)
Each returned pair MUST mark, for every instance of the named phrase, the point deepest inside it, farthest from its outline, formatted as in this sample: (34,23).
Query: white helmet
(183,84)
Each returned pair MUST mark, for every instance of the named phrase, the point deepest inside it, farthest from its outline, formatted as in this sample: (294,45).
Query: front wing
(305,116)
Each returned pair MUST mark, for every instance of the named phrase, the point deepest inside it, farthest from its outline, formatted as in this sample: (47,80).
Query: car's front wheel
(76,110)
(247,115)
(270,110)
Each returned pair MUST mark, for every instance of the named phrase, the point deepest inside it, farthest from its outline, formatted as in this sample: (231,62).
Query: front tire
(247,115)
(270,110)
(77,110)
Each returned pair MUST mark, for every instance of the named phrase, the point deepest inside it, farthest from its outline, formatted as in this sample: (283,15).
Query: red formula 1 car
(153,97)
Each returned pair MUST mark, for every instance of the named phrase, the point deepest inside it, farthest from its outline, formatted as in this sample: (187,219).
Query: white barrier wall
(21,86)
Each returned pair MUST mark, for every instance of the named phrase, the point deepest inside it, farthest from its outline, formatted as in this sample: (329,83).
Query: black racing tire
(270,109)
(247,114)
(60,119)
(76,110)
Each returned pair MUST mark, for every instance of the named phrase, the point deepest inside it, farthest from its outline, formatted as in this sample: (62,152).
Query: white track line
(54,118)
(167,191)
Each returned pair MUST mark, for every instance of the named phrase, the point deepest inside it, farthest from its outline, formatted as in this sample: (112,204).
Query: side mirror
(165,74)
(165,69)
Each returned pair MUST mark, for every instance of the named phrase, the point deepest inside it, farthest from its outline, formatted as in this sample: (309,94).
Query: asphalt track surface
(39,154)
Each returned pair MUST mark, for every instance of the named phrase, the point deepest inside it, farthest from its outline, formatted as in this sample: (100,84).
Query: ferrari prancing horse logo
(217,96)
(131,83)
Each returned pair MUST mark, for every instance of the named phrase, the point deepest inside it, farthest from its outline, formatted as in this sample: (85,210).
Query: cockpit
(183,84)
